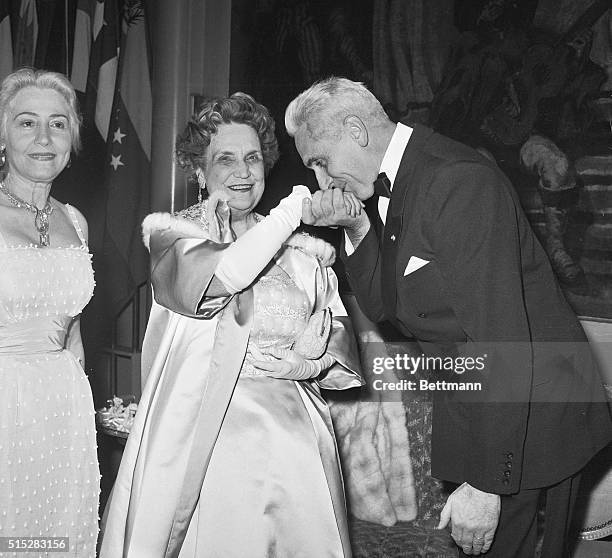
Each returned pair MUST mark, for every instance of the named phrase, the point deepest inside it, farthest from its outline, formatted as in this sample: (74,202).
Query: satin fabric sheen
(220,461)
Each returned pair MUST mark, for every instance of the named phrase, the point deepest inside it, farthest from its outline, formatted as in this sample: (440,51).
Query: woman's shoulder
(315,247)
(70,211)
(76,218)
(187,222)
(195,213)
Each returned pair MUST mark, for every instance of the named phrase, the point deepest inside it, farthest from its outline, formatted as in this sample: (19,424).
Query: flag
(51,37)
(95,74)
(84,183)
(6,46)
(129,165)
(24,47)
(84,34)
(102,73)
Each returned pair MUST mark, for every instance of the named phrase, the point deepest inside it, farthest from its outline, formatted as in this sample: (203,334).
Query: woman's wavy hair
(41,79)
(239,108)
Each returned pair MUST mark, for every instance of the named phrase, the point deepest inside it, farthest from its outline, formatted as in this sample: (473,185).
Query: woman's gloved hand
(289,209)
(312,342)
(245,258)
(288,364)
(218,215)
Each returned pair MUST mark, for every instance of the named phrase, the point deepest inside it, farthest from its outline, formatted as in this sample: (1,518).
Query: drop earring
(201,184)
(2,156)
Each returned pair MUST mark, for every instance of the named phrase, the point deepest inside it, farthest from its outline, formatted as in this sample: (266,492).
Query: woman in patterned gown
(232,452)
(49,475)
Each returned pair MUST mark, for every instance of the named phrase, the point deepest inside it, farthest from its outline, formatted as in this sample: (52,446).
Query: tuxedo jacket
(487,290)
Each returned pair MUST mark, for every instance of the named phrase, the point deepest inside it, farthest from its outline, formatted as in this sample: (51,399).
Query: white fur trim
(157,222)
(316,247)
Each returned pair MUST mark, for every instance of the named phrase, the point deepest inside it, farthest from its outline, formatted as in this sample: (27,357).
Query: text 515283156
(31,544)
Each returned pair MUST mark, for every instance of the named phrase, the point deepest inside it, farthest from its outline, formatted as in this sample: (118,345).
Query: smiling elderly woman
(232,452)
(48,470)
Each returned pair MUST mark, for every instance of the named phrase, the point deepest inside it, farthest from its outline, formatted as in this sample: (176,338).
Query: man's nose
(324,180)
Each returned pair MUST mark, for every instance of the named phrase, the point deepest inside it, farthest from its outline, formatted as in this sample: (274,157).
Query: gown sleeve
(183,263)
(345,373)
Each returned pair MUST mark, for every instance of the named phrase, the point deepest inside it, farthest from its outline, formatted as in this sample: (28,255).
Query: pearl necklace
(41,216)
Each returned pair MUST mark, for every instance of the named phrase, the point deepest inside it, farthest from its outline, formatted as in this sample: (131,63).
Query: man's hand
(473,515)
(332,208)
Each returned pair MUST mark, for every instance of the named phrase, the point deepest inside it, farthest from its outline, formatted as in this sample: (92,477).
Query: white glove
(287,364)
(244,260)
(312,342)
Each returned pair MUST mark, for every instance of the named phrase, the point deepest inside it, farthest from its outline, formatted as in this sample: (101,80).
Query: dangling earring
(2,156)
(201,184)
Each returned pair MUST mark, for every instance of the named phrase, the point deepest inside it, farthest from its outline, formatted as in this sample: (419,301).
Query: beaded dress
(49,477)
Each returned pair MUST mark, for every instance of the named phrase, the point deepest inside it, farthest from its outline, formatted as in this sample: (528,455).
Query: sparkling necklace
(41,216)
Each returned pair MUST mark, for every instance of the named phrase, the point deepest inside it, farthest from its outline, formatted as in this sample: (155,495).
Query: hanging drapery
(411,42)
(557,16)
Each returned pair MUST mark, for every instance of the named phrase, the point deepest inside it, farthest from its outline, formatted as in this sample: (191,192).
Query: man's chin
(362,194)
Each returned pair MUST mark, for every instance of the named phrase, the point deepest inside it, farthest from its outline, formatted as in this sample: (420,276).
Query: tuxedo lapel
(404,190)
(371,209)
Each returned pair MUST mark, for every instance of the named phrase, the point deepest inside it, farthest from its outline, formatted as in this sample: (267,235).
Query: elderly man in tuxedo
(449,258)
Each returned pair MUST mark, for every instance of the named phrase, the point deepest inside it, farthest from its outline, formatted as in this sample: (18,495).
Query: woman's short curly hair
(239,108)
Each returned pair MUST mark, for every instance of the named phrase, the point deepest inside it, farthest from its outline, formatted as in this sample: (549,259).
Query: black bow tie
(382,186)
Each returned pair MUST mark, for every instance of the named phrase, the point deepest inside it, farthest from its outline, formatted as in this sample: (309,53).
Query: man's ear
(356,129)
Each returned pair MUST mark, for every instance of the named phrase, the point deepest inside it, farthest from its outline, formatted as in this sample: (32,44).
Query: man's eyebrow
(231,152)
(311,161)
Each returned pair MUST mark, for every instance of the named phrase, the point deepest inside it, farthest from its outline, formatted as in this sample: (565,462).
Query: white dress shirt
(390,165)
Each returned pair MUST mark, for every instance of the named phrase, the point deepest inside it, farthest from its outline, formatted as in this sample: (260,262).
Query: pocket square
(414,263)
